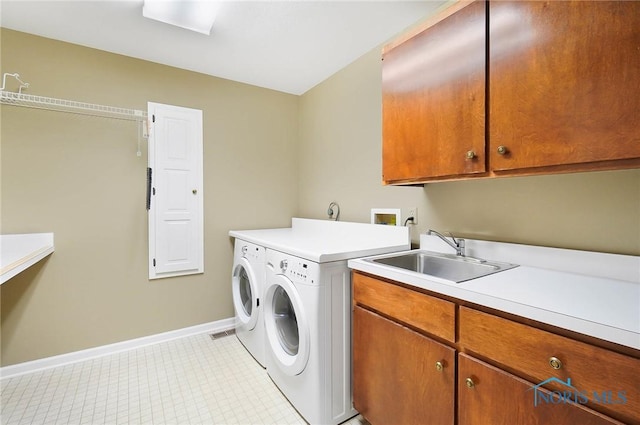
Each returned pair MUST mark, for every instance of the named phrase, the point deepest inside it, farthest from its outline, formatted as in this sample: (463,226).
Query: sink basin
(444,266)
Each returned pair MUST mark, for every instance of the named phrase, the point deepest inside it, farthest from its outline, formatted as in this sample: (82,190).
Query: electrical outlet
(413,212)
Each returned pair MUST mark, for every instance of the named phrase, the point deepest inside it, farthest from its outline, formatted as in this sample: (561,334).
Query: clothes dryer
(247,287)
(307,315)
(307,308)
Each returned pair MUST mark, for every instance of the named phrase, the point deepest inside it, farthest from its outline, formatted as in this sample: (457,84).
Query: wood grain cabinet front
(488,396)
(419,359)
(551,87)
(601,379)
(400,376)
(564,84)
(430,314)
(433,100)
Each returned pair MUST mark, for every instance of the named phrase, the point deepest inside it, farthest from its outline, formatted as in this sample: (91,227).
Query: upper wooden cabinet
(564,83)
(433,100)
(558,92)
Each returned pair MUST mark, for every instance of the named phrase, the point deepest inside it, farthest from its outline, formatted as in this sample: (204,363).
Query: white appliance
(307,312)
(307,308)
(247,287)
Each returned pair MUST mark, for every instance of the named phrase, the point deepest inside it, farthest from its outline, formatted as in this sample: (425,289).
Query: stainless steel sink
(449,267)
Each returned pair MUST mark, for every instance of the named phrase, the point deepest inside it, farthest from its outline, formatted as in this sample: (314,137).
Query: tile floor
(193,380)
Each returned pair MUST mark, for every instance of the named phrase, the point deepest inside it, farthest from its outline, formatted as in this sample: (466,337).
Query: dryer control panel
(298,270)
(252,252)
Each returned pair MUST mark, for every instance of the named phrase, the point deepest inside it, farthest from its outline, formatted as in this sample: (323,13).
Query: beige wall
(80,178)
(340,160)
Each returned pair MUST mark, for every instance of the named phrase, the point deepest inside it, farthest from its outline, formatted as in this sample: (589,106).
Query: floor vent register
(222,334)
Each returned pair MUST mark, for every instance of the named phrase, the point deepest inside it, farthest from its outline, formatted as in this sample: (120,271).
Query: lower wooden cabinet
(604,378)
(400,376)
(490,396)
(494,370)
(431,314)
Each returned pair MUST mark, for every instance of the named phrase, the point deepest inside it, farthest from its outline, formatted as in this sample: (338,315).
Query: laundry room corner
(80,177)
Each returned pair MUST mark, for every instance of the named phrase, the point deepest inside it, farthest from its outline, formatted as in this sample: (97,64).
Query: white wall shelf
(71,106)
(18,252)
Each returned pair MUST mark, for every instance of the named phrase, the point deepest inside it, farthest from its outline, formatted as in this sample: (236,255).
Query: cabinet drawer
(433,315)
(608,379)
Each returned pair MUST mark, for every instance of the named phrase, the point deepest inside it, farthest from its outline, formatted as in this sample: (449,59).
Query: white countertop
(324,241)
(20,251)
(592,304)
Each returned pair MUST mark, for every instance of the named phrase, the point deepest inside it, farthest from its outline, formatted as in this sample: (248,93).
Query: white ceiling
(288,46)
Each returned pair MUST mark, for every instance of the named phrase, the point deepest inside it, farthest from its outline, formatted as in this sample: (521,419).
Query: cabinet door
(609,380)
(564,84)
(490,396)
(433,100)
(396,378)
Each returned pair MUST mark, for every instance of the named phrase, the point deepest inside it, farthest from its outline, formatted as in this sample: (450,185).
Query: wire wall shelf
(61,105)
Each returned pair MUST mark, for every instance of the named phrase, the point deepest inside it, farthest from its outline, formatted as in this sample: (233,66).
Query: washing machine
(247,287)
(307,318)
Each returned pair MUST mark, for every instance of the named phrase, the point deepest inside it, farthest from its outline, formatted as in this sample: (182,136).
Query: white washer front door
(286,325)
(245,295)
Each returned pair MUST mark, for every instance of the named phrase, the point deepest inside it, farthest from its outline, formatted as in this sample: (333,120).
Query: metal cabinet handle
(502,150)
(439,366)
(555,363)
(194,191)
(470,154)
(470,383)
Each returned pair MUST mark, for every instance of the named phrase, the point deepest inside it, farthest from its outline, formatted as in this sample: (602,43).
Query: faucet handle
(457,244)
(461,246)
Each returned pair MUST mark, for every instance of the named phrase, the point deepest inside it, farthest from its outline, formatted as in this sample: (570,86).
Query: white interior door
(176,211)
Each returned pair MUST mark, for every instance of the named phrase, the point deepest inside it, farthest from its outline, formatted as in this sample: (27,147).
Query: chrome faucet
(457,244)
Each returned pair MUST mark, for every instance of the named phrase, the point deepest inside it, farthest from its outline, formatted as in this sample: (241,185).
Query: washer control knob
(283,265)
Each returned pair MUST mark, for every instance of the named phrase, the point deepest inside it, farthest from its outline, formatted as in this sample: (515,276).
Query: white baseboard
(118,347)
